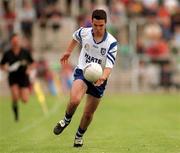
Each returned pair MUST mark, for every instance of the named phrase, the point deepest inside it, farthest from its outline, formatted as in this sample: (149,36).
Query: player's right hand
(5,67)
(64,58)
(99,82)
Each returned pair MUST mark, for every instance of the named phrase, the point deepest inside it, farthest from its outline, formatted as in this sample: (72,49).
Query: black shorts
(22,80)
(96,91)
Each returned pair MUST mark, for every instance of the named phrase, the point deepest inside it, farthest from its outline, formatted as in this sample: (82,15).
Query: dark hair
(13,35)
(99,14)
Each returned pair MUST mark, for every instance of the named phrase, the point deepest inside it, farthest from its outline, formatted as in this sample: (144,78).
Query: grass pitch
(122,124)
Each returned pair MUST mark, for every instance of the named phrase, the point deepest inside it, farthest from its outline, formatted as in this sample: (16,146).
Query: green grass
(122,124)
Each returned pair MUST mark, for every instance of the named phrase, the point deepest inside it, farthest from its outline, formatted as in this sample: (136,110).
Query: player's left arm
(105,76)
(4,65)
(31,64)
(110,61)
(30,67)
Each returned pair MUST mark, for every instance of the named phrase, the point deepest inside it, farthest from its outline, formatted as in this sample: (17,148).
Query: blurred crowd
(147,30)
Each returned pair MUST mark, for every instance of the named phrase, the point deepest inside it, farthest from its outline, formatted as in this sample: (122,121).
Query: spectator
(166,76)
(67,77)
(166,28)
(27,18)
(9,17)
(158,51)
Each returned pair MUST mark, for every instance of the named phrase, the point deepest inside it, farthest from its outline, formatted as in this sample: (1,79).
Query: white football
(92,72)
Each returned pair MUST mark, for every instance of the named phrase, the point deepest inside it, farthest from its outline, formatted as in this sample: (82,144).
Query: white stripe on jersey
(103,52)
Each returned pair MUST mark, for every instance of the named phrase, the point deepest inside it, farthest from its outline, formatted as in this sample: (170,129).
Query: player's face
(99,26)
(15,41)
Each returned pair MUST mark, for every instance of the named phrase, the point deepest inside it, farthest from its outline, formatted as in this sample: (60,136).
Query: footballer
(18,63)
(98,46)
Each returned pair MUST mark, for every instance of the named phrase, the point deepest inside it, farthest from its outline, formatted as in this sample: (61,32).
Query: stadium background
(147,32)
(148,63)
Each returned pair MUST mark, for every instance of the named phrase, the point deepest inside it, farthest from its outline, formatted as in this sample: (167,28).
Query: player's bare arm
(4,67)
(106,73)
(67,53)
(30,68)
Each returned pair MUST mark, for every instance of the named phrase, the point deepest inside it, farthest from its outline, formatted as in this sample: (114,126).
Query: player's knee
(75,101)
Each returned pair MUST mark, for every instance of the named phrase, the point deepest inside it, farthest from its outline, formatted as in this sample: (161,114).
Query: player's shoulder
(111,38)
(25,50)
(85,30)
(7,52)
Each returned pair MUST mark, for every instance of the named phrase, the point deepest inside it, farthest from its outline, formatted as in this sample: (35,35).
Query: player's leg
(94,95)
(24,85)
(15,97)
(90,107)
(24,94)
(77,92)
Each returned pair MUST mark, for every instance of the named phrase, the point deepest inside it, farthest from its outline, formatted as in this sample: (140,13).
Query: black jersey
(24,58)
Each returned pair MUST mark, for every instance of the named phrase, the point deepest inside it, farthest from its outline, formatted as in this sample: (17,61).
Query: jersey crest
(103,51)
(87,47)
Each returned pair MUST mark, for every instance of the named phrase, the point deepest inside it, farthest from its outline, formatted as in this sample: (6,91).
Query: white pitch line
(37,122)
